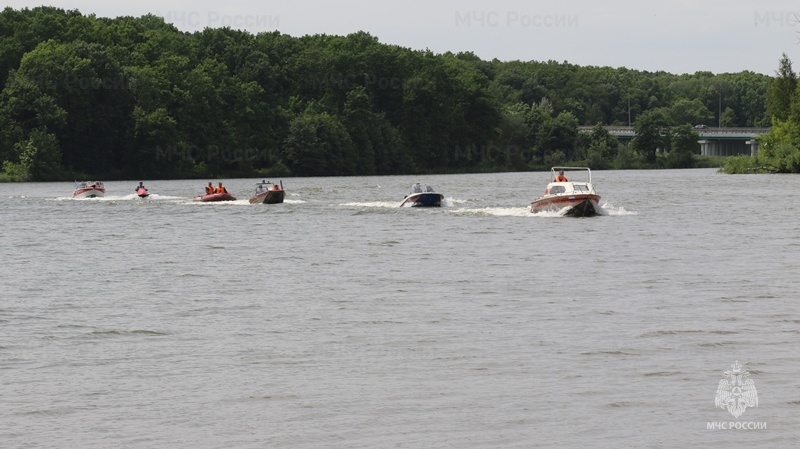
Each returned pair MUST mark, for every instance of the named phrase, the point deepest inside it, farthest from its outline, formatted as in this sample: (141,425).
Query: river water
(338,320)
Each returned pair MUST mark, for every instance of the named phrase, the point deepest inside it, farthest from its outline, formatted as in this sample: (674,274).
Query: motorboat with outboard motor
(575,198)
(420,197)
(268,193)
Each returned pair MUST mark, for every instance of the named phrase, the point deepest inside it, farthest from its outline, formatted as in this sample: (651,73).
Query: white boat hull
(88,193)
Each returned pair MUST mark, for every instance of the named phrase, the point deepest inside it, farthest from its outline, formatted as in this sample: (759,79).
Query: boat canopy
(555,170)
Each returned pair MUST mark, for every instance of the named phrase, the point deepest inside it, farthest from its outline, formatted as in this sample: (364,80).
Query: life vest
(561,178)
(275,187)
(221,189)
(209,190)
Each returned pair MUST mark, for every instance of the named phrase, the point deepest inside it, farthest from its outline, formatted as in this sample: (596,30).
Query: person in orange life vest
(221,189)
(561,177)
(209,188)
(275,187)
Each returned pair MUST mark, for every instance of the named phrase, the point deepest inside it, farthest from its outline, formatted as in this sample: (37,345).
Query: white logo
(736,393)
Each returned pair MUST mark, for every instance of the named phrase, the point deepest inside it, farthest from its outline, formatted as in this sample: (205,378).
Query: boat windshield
(416,188)
(582,188)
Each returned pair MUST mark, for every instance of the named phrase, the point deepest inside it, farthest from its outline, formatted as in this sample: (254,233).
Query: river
(338,320)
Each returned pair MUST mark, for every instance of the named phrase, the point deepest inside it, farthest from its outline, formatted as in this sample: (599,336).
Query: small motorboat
(268,193)
(422,198)
(579,198)
(90,189)
(142,192)
(214,197)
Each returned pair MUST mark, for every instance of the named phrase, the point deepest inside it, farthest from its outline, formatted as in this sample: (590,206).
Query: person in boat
(560,177)
(260,188)
(416,188)
(140,186)
(210,188)
(221,189)
(275,187)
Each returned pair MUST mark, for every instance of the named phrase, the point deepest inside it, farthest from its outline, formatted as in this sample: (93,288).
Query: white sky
(677,36)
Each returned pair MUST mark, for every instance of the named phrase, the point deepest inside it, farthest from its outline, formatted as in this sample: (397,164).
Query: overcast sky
(678,36)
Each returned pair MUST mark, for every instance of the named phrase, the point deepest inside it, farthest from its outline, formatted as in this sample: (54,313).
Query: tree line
(135,98)
(779,149)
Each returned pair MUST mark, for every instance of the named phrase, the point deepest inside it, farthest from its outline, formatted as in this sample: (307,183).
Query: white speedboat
(575,198)
(89,189)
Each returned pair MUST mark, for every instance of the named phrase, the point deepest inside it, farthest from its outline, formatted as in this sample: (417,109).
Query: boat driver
(561,177)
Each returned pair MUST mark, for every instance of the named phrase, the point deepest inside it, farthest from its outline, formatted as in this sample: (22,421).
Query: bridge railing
(708,131)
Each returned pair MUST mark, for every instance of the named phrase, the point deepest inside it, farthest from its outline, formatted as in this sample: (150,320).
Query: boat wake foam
(450,202)
(155,196)
(370,204)
(551,213)
(609,209)
(106,198)
(219,203)
(152,196)
(496,211)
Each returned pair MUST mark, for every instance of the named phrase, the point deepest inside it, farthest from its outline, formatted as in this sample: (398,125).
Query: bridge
(713,141)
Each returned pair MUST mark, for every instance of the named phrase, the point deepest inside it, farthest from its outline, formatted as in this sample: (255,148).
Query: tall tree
(781,91)
(682,146)
(602,148)
(651,130)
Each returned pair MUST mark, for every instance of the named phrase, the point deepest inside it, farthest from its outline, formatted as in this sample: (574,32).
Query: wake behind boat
(422,198)
(268,193)
(90,189)
(577,197)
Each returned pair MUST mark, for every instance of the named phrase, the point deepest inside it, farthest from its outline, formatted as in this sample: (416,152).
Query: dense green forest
(136,98)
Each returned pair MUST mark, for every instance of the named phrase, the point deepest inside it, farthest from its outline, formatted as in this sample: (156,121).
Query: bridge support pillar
(723,147)
(753,146)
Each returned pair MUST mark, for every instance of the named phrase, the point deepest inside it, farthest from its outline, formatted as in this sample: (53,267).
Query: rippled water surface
(338,320)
